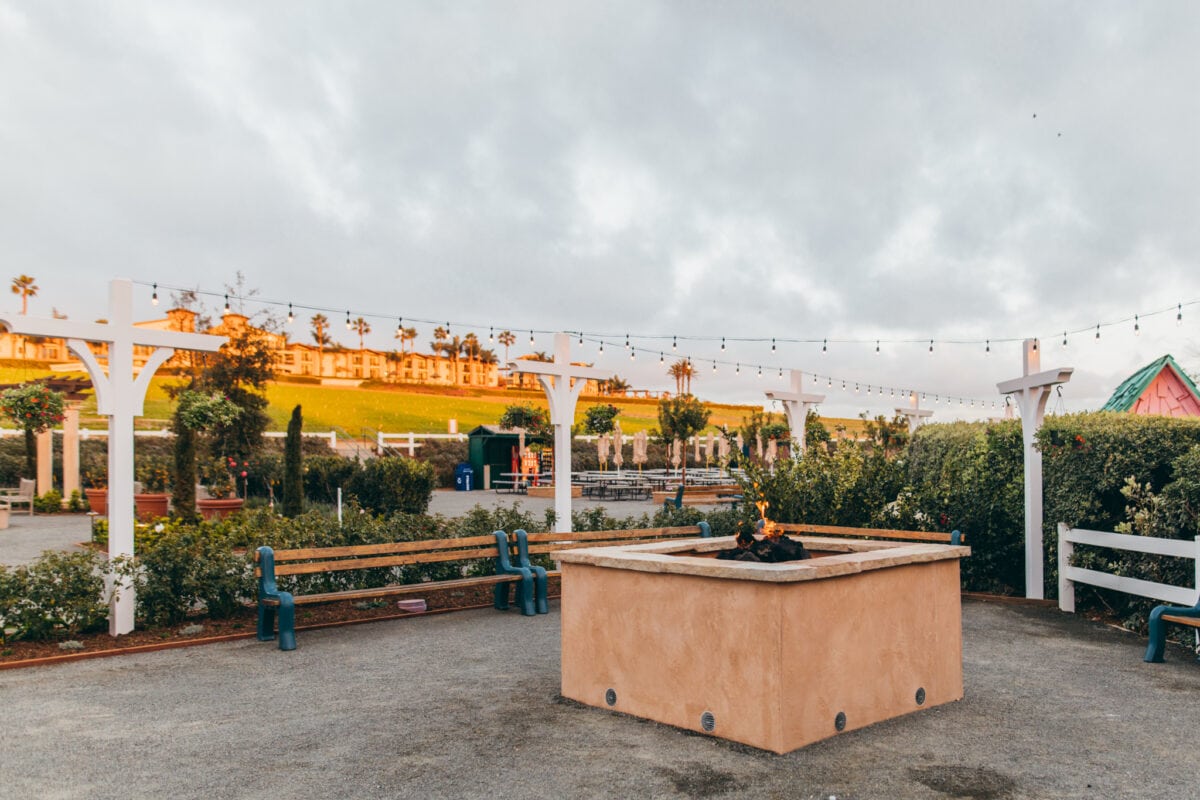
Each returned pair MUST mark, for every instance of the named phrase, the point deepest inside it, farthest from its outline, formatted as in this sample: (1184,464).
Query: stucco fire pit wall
(776,656)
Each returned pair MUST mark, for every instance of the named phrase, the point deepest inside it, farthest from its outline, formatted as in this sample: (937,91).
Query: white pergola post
(562,382)
(795,406)
(120,396)
(914,413)
(1031,391)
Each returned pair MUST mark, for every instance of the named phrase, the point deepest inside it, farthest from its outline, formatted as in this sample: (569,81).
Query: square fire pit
(776,656)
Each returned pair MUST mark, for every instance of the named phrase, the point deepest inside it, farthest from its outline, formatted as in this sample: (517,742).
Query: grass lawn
(362,412)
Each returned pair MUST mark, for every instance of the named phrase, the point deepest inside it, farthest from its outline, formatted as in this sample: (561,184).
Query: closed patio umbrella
(618,445)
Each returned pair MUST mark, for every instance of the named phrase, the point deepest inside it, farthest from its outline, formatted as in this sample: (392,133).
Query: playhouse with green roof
(1161,388)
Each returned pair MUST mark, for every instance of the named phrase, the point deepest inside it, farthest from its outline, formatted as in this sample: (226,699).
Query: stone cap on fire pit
(831,558)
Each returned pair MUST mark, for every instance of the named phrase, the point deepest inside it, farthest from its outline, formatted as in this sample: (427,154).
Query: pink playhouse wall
(1167,396)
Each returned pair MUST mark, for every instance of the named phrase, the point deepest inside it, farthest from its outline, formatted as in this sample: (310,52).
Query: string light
(291,316)
(1097,332)
(632,353)
(824,345)
(772,345)
(662,359)
(714,366)
(1035,344)
(674,344)
(931,345)
(400,328)
(492,335)
(226,304)
(1179,314)
(601,347)
(531,342)
(722,344)
(627,341)
(348,325)
(876,347)
(988,348)
(1137,329)
(760,371)
(154,296)
(738,370)
(1064,340)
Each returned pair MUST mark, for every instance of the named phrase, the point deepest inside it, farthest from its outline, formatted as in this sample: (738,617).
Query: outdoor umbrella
(618,445)
(772,451)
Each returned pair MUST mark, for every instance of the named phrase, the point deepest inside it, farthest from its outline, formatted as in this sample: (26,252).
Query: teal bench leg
(266,622)
(1158,629)
(500,597)
(539,573)
(525,588)
(287,622)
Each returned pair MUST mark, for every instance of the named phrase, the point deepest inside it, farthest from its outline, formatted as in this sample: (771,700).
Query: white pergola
(563,382)
(120,395)
(796,404)
(914,413)
(1031,392)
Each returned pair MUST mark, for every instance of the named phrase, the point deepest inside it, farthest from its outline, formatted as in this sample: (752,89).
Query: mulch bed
(242,624)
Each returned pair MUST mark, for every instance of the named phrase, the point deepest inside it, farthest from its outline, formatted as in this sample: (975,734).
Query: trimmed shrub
(390,484)
(58,594)
(324,475)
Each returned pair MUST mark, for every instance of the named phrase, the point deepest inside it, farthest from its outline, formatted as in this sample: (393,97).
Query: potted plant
(152,502)
(95,489)
(222,499)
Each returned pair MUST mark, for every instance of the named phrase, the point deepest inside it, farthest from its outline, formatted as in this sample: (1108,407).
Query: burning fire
(770,530)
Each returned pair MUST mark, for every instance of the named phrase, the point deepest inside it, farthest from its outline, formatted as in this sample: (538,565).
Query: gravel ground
(466,705)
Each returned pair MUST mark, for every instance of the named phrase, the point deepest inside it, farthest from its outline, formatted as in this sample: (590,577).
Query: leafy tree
(195,413)
(405,335)
(33,407)
(681,418)
(293,467)
(815,432)
(614,385)
(24,285)
(600,418)
(890,436)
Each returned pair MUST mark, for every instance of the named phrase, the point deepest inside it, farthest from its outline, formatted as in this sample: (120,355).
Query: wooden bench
(528,544)
(272,564)
(1175,615)
(953,538)
(700,496)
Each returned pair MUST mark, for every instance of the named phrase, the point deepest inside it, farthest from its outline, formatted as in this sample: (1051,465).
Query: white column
(795,407)
(1031,392)
(914,413)
(45,461)
(70,457)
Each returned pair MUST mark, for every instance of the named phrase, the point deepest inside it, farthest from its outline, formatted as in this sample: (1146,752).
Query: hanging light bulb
(226,304)
(154,295)
(348,325)
(632,353)
(1137,329)
(772,345)
(627,341)
(1064,340)
(856,388)
(662,359)
(1035,344)
(531,342)
(843,386)
(492,335)
(738,369)
(824,345)
(722,344)
(714,366)
(581,338)
(674,344)
(291,316)
(876,346)
(931,345)
(760,371)
(868,390)
(1097,332)
(830,384)
(988,348)
(400,327)
(602,347)
(1179,314)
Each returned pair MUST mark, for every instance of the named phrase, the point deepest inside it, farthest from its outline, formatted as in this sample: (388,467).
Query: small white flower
(159,528)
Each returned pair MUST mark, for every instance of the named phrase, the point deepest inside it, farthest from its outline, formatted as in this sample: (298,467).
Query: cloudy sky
(955,171)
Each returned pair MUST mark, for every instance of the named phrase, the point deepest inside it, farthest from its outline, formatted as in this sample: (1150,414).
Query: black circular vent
(610,697)
(921,696)
(708,721)
(839,721)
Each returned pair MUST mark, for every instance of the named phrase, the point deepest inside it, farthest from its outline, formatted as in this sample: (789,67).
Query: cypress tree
(293,480)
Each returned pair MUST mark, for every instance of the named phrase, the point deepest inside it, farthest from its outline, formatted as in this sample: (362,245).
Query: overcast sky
(798,171)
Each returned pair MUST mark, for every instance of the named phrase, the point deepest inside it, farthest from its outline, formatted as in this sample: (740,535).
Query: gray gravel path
(466,705)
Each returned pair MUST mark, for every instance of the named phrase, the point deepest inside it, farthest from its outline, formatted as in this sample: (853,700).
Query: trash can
(463,474)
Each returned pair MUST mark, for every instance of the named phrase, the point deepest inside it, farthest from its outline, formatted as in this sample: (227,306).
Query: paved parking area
(466,705)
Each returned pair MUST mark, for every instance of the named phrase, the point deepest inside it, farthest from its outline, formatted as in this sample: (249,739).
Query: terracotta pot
(98,500)
(150,506)
(214,508)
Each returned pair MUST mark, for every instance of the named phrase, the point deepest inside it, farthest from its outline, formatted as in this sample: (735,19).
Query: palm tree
(362,326)
(24,285)
(320,332)
(406,335)
(440,335)
(541,355)
(470,348)
(683,372)
(614,385)
(506,338)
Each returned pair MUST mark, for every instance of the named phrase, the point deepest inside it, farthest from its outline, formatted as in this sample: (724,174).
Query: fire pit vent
(610,697)
(921,696)
(708,722)
(839,721)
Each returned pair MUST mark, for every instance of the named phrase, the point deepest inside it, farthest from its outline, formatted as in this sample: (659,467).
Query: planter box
(151,505)
(97,500)
(213,508)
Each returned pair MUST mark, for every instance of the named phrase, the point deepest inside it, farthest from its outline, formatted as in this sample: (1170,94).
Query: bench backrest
(549,542)
(873,533)
(311,560)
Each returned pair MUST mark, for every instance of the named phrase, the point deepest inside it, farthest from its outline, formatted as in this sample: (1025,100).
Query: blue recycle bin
(463,475)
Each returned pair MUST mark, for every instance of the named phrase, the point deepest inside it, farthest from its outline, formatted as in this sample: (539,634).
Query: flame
(769,529)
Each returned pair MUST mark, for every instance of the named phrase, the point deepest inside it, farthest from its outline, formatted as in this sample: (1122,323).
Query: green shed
(495,448)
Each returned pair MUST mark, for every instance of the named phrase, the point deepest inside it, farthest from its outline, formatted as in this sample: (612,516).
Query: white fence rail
(1069,575)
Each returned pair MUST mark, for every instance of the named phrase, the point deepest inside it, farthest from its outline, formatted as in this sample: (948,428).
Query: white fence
(1069,575)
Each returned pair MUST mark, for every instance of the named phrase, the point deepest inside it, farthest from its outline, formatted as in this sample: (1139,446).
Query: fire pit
(774,655)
